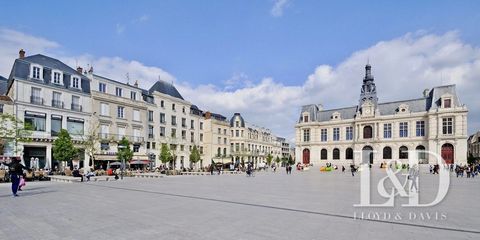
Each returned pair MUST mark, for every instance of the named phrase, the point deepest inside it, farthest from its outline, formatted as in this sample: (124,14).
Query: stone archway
(367,155)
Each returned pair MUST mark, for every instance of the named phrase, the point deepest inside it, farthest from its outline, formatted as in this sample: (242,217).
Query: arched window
(403,152)
(367,132)
(323,154)
(387,153)
(219,151)
(336,154)
(421,153)
(349,153)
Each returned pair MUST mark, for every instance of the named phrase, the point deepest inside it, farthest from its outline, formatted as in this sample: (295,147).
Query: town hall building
(375,132)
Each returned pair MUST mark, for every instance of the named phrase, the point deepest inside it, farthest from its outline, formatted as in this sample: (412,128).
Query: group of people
(471,170)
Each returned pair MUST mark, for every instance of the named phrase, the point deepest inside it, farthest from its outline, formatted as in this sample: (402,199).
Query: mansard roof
(165,88)
(232,120)
(3,85)
(424,104)
(21,69)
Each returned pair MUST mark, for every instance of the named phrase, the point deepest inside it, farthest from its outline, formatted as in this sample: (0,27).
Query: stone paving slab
(304,205)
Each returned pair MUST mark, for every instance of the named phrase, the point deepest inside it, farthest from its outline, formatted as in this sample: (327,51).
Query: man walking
(15,171)
(413,176)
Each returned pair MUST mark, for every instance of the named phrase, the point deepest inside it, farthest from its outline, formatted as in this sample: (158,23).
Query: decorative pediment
(403,108)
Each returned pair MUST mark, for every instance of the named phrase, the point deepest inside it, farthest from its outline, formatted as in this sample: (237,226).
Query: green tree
(63,148)
(290,160)
(194,155)
(12,130)
(124,152)
(277,160)
(165,155)
(91,140)
(269,159)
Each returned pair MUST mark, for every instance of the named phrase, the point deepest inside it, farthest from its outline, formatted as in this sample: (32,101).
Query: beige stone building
(215,139)
(375,132)
(474,145)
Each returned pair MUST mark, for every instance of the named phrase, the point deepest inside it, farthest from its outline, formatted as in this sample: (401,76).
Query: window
(104,146)
(150,116)
(201,125)
(225,141)
(153,145)
(56,125)
(367,132)
(104,109)
(404,129)
(421,154)
(148,145)
(192,137)
(133,95)
(35,121)
(136,147)
(336,134)
(224,131)
(76,82)
(118,92)
(56,100)
(174,133)
(36,98)
(387,153)
(121,132)
(306,135)
(183,109)
(184,134)
(403,152)
(136,135)
(162,131)
(237,133)
(201,137)
(36,73)
(387,130)
(1,108)
(305,118)
(192,124)
(237,124)
(104,130)
(219,140)
(75,126)
(349,153)
(76,104)
(323,135)
(102,87)
(447,103)
(57,78)
(349,133)
(162,118)
(336,154)
(323,154)
(447,126)
(136,115)
(120,112)
(150,131)
(173,106)
(174,120)
(219,130)
(162,103)
(420,128)
(184,122)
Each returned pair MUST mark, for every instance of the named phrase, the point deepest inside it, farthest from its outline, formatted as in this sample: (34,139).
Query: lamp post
(123,163)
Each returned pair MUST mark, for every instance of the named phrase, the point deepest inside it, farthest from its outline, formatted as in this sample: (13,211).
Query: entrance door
(367,155)
(448,153)
(306,156)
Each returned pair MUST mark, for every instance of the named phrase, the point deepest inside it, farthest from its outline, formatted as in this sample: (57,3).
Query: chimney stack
(208,115)
(80,70)
(136,83)
(21,54)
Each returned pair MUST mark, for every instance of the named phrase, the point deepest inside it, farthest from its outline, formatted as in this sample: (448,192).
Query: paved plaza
(304,205)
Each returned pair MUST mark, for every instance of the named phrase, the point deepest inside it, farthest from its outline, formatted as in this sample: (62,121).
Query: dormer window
(76,82)
(403,108)
(118,92)
(305,118)
(36,72)
(336,116)
(447,103)
(57,77)
(133,95)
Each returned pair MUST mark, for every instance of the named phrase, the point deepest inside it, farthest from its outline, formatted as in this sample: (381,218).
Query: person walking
(352,168)
(413,176)
(15,171)
(343,169)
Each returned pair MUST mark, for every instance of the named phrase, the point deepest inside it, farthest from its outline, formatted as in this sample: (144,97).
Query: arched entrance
(367,155)
(448,153)
(306,156)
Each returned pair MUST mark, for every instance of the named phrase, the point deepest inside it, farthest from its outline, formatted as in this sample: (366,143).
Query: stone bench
(67,179)
(147,175)
(100,178)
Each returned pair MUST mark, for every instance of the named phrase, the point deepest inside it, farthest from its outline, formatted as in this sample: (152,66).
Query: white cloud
(120,28)
(403,68)
(278,7)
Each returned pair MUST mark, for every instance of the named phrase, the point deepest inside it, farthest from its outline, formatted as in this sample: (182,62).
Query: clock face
(367,110)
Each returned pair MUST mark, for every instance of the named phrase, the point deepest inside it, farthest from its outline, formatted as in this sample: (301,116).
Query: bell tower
(369,91)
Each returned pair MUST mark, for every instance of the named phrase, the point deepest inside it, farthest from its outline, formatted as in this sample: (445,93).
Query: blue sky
(229,56)
(208,41)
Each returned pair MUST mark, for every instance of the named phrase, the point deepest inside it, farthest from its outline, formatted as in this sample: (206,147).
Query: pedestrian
(352,168)
(211,169)
(15,171)
(343,169)
(412,176)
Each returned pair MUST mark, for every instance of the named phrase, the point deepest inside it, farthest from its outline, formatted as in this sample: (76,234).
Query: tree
(12,130)
(269,159)
(194,155)
(63,148)
(290,160)
(124,152)
(165,155)
(91,140)
(277,160)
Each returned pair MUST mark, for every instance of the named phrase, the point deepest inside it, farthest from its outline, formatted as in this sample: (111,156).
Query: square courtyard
(304,205)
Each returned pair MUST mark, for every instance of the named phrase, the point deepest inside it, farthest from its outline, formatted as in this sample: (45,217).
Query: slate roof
(21,69)
(165,88)
(3,85)
(432,101)
(232,120)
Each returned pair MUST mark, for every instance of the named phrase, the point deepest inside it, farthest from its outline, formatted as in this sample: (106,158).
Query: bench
(67,179)
(101,178)
(147,175)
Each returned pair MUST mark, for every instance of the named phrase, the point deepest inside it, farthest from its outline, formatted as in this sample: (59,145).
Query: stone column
(48,156)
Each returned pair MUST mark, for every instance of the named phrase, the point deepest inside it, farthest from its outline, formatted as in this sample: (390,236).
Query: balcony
(118,137)
(57,104)
(36,100)
(76,107)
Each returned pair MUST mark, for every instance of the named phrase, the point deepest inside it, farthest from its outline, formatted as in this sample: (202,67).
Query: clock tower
(368,96)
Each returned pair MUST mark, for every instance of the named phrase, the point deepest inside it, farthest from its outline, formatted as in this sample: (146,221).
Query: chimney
(79,70)
(426,92)
(21,54)
(90,70)
(320,107)
(208,115)
(136,83)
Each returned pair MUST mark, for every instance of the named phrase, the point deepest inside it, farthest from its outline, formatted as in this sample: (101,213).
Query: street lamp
(123,163)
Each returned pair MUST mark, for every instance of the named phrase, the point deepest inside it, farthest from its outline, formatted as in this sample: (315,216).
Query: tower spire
(369,91)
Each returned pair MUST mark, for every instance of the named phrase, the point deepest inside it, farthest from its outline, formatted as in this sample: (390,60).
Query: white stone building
(378,132)
(474,145)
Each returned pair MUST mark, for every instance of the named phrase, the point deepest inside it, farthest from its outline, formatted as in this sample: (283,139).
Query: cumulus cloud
(278,7)
(403,67)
